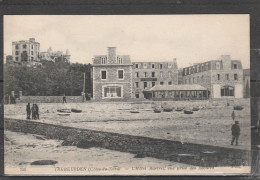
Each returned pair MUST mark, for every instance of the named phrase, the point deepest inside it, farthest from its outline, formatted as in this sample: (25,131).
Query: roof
(187,87)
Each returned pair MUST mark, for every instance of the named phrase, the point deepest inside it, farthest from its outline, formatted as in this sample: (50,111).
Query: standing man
(28,110)
(235,133)
(64,99)
(37,111)
(233,115)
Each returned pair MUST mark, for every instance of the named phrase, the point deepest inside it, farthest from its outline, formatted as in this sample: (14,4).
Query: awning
(181,87)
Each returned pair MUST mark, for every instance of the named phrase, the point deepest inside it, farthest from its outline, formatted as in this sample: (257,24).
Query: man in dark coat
(235,133)
(28,110)
(37,111)
(64,99)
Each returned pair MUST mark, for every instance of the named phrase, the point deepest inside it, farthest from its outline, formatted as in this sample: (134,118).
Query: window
(198,79)
(235,66)
(103,75)
(189,70)
(198,68)
(169,83)
(189,80)
(112,92)
(145,85)
(202,67)
(194,80)
(16,46)
(227,76)
(16,53)
(103,60)
(120,74)
(24,46)
(136,84)
(16,58)
(169,74)
(153,66)
(153,74)
(137,74)
(161,66)
(31,58)
(119,60)
(31,52)
(137,95)
(218,76)
(161,83)
(136,65)
(217,66)
(235,77)
(153,84)
(227,91)
(185,81)
(207,66)
(185,72)
(32,46)
(145,74)
(161,74)
(145,65)
(169,66)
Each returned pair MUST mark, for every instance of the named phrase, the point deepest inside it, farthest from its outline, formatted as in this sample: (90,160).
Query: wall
(48,99)
(198,154)
(165,78)
(112,79)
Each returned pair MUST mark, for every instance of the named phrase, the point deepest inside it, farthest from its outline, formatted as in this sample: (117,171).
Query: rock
(44,162)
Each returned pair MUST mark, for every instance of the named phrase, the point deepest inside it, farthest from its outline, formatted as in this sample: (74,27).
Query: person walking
(233,115)
(235,133)
(37,111)
(28,110)
(64,99)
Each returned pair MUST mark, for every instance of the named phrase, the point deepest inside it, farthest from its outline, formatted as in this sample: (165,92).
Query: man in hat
(235,133)
(28,110)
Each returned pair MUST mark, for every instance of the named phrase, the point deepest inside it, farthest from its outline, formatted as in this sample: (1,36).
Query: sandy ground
(22,149)
(210,125)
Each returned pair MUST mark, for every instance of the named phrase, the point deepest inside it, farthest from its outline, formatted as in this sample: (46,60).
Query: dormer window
(217,66)
(145,65)
(103,60)
(136,65)
(119,60)
(235,66)
(169,66)
(153,66)
(198,68)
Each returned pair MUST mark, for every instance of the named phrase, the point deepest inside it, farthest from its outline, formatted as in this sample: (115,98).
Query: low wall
(48,99)
(194,154)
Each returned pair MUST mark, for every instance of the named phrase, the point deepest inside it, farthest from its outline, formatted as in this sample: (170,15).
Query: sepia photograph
(127,94)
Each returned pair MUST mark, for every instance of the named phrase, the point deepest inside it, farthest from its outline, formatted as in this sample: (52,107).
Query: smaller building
(51,55)
(178,92)
(26,51)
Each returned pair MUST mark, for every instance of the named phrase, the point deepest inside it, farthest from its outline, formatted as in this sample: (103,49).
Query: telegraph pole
(83,92)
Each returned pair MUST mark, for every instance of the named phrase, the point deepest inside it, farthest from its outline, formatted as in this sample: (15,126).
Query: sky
(188,38)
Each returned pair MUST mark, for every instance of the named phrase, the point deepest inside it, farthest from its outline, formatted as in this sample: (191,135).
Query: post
(83,92)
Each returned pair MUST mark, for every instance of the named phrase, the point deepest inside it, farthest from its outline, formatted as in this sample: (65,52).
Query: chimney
(32,39)
(226,61)
(111,55)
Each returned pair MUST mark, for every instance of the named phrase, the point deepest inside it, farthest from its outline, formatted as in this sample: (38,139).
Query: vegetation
(52,79)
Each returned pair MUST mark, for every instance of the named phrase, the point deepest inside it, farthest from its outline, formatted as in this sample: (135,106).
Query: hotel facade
(116,77)
(112,76)
(223,78)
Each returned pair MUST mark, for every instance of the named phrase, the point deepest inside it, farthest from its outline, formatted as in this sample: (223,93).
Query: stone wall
(194,154)
(112,79)
(48,99)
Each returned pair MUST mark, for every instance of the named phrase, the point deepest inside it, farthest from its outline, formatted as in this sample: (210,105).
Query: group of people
(34,110)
